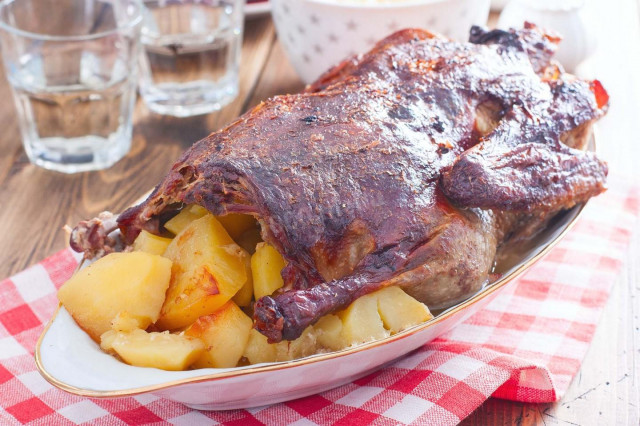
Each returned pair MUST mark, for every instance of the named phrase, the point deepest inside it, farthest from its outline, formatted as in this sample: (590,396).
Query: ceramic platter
(70,360)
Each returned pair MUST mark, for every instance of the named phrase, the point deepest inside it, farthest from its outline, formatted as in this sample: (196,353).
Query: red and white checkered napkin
(525,346)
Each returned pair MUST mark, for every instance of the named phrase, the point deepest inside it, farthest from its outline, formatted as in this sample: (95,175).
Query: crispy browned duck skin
(346,179)
(522,164)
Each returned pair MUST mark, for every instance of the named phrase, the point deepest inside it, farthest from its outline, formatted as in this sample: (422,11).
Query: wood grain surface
(36,203)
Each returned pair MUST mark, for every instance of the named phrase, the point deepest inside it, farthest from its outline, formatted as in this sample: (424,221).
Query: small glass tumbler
(72,65)
(191,55)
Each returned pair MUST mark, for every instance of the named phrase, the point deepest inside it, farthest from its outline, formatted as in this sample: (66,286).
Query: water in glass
(190,65)
(74,126)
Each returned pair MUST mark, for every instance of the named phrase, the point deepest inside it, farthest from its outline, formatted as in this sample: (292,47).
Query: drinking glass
(72,65)
(191,55)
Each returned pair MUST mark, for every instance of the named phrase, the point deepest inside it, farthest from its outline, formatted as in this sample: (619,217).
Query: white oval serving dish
(70,360)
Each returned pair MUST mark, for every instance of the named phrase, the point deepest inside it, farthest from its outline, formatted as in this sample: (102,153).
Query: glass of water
(191,55)
(72,67)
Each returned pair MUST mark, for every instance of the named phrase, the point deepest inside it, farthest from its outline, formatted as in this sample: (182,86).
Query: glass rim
(131,22)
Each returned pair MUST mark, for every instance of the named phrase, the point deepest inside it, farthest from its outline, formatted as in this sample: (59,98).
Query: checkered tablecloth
(526,345)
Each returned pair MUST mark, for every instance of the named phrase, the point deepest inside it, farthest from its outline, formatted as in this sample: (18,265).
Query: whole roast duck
(410,165)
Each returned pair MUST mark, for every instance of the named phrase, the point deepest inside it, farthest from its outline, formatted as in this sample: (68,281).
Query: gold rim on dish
(242,371)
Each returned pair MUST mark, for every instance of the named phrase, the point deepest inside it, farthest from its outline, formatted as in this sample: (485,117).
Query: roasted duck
(410,165)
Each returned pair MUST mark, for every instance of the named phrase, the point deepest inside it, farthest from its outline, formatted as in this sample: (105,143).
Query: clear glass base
(80,154)
(189,99)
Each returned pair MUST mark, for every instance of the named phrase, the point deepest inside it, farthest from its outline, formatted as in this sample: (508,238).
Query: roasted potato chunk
(180,221)
(258,350)
(149,243)
(244,296)
(124,321)
(225,334)
(134,283)
(329,333)
(157,350)
(400,311)
(371,317)
(208,270)
(303,346)
(266,264)
(361,321)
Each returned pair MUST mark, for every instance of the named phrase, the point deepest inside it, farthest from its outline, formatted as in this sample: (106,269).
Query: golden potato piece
(149,243)
(237,224)
(372,317)
(180,221)
(266,264)
(329,333)
(361,321)
(157,350)
(208,270)
(258,350)
(124,321)
(400,311)
(244,296)
(225,334)
(303,346)
(133,282)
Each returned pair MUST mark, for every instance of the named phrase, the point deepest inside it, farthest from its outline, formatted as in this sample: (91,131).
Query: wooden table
(36,203)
